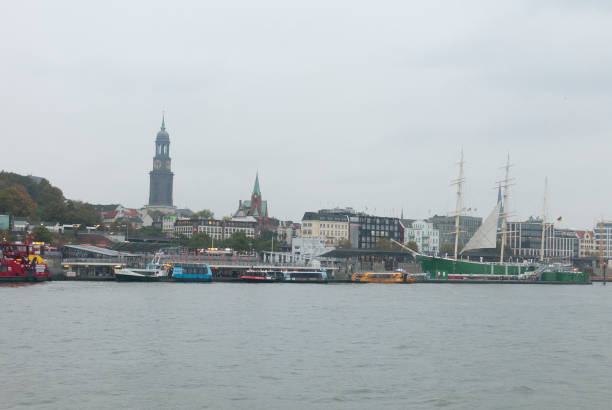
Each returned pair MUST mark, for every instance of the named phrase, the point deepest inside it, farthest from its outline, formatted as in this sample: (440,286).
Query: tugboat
(18,263)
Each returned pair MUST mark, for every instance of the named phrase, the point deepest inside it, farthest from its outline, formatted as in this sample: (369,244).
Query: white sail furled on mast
(486,236)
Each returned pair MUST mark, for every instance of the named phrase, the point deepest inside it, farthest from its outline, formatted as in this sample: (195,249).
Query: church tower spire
(256,190)
(161,177)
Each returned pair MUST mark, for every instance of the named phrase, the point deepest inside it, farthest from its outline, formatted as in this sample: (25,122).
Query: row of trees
(40,201)
(239,242)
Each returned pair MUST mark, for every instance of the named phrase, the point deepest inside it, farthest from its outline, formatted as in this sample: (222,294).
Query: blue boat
(191,273)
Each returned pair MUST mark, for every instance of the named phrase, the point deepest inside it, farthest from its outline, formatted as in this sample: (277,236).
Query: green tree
(52,206)
(82,213)
(180,240)
(118,226)
(7,236)
(385,244)
(42,234)
(238,242)
(204,214)
(199,240)
(413,245)
(15,200)
(266,242)
(450,248)
(345,244)
(147,231)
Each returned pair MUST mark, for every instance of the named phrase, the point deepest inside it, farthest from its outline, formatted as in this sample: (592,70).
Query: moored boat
(153,272)
(148,274)
(485,238)
(255,276)
(305,277)
(191,273)
(383,277)
(18,263)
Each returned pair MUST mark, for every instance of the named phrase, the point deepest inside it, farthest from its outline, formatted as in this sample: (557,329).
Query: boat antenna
(459,182)
(505,185)
(544,220)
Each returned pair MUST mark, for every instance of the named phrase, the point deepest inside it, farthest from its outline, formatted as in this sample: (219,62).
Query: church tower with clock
(161,177)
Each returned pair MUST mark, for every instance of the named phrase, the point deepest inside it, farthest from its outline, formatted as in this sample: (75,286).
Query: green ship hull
(443,268)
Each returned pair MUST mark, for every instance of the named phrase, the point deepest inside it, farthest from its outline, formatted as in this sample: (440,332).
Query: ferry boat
(305,277)
(181,273)
(18,263)
(255,276)
(153,272)
(383,277)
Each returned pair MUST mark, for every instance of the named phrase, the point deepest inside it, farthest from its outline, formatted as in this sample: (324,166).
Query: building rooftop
(98,250)
(318,216)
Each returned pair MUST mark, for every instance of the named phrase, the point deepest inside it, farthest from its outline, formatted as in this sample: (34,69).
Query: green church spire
(256,190)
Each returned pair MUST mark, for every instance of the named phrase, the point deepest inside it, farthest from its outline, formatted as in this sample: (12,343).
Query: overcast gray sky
(336,103)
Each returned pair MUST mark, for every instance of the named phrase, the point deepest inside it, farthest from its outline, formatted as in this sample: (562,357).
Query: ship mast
(544,220)
(601,251)
(459,182)
(506,184)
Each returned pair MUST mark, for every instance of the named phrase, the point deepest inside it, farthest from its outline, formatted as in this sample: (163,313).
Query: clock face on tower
(168,164)
(157,164)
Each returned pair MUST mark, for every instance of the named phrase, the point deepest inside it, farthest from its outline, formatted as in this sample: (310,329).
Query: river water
(103,345)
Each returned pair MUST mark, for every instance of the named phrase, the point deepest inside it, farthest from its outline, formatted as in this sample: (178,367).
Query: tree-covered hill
(37,199)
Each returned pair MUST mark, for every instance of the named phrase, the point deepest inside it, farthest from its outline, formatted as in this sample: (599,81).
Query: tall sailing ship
(485,238)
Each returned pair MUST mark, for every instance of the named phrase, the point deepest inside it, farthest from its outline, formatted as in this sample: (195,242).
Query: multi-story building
(525,240)
(424,235)
(603,239)
(468,225)
(586,244)
(366,230)
(216,229)
(332,227)
(309,247)
(287,231)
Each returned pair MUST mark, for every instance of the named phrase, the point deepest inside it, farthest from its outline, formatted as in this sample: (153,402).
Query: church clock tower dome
(161,177)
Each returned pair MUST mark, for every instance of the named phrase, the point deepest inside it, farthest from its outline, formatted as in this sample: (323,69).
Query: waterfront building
(215,228)
(424,235)
(309,247)
(525,240)
(468,225)
(20,224)
(5,222)
(587,246)
(161,177)
(286,232)
(329,226)
(603,239)
(366,230)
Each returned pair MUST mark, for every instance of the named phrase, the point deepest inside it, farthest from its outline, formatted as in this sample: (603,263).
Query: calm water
(75,345)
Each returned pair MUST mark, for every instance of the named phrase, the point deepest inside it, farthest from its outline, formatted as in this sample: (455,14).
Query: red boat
(19,263)
(257,276)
